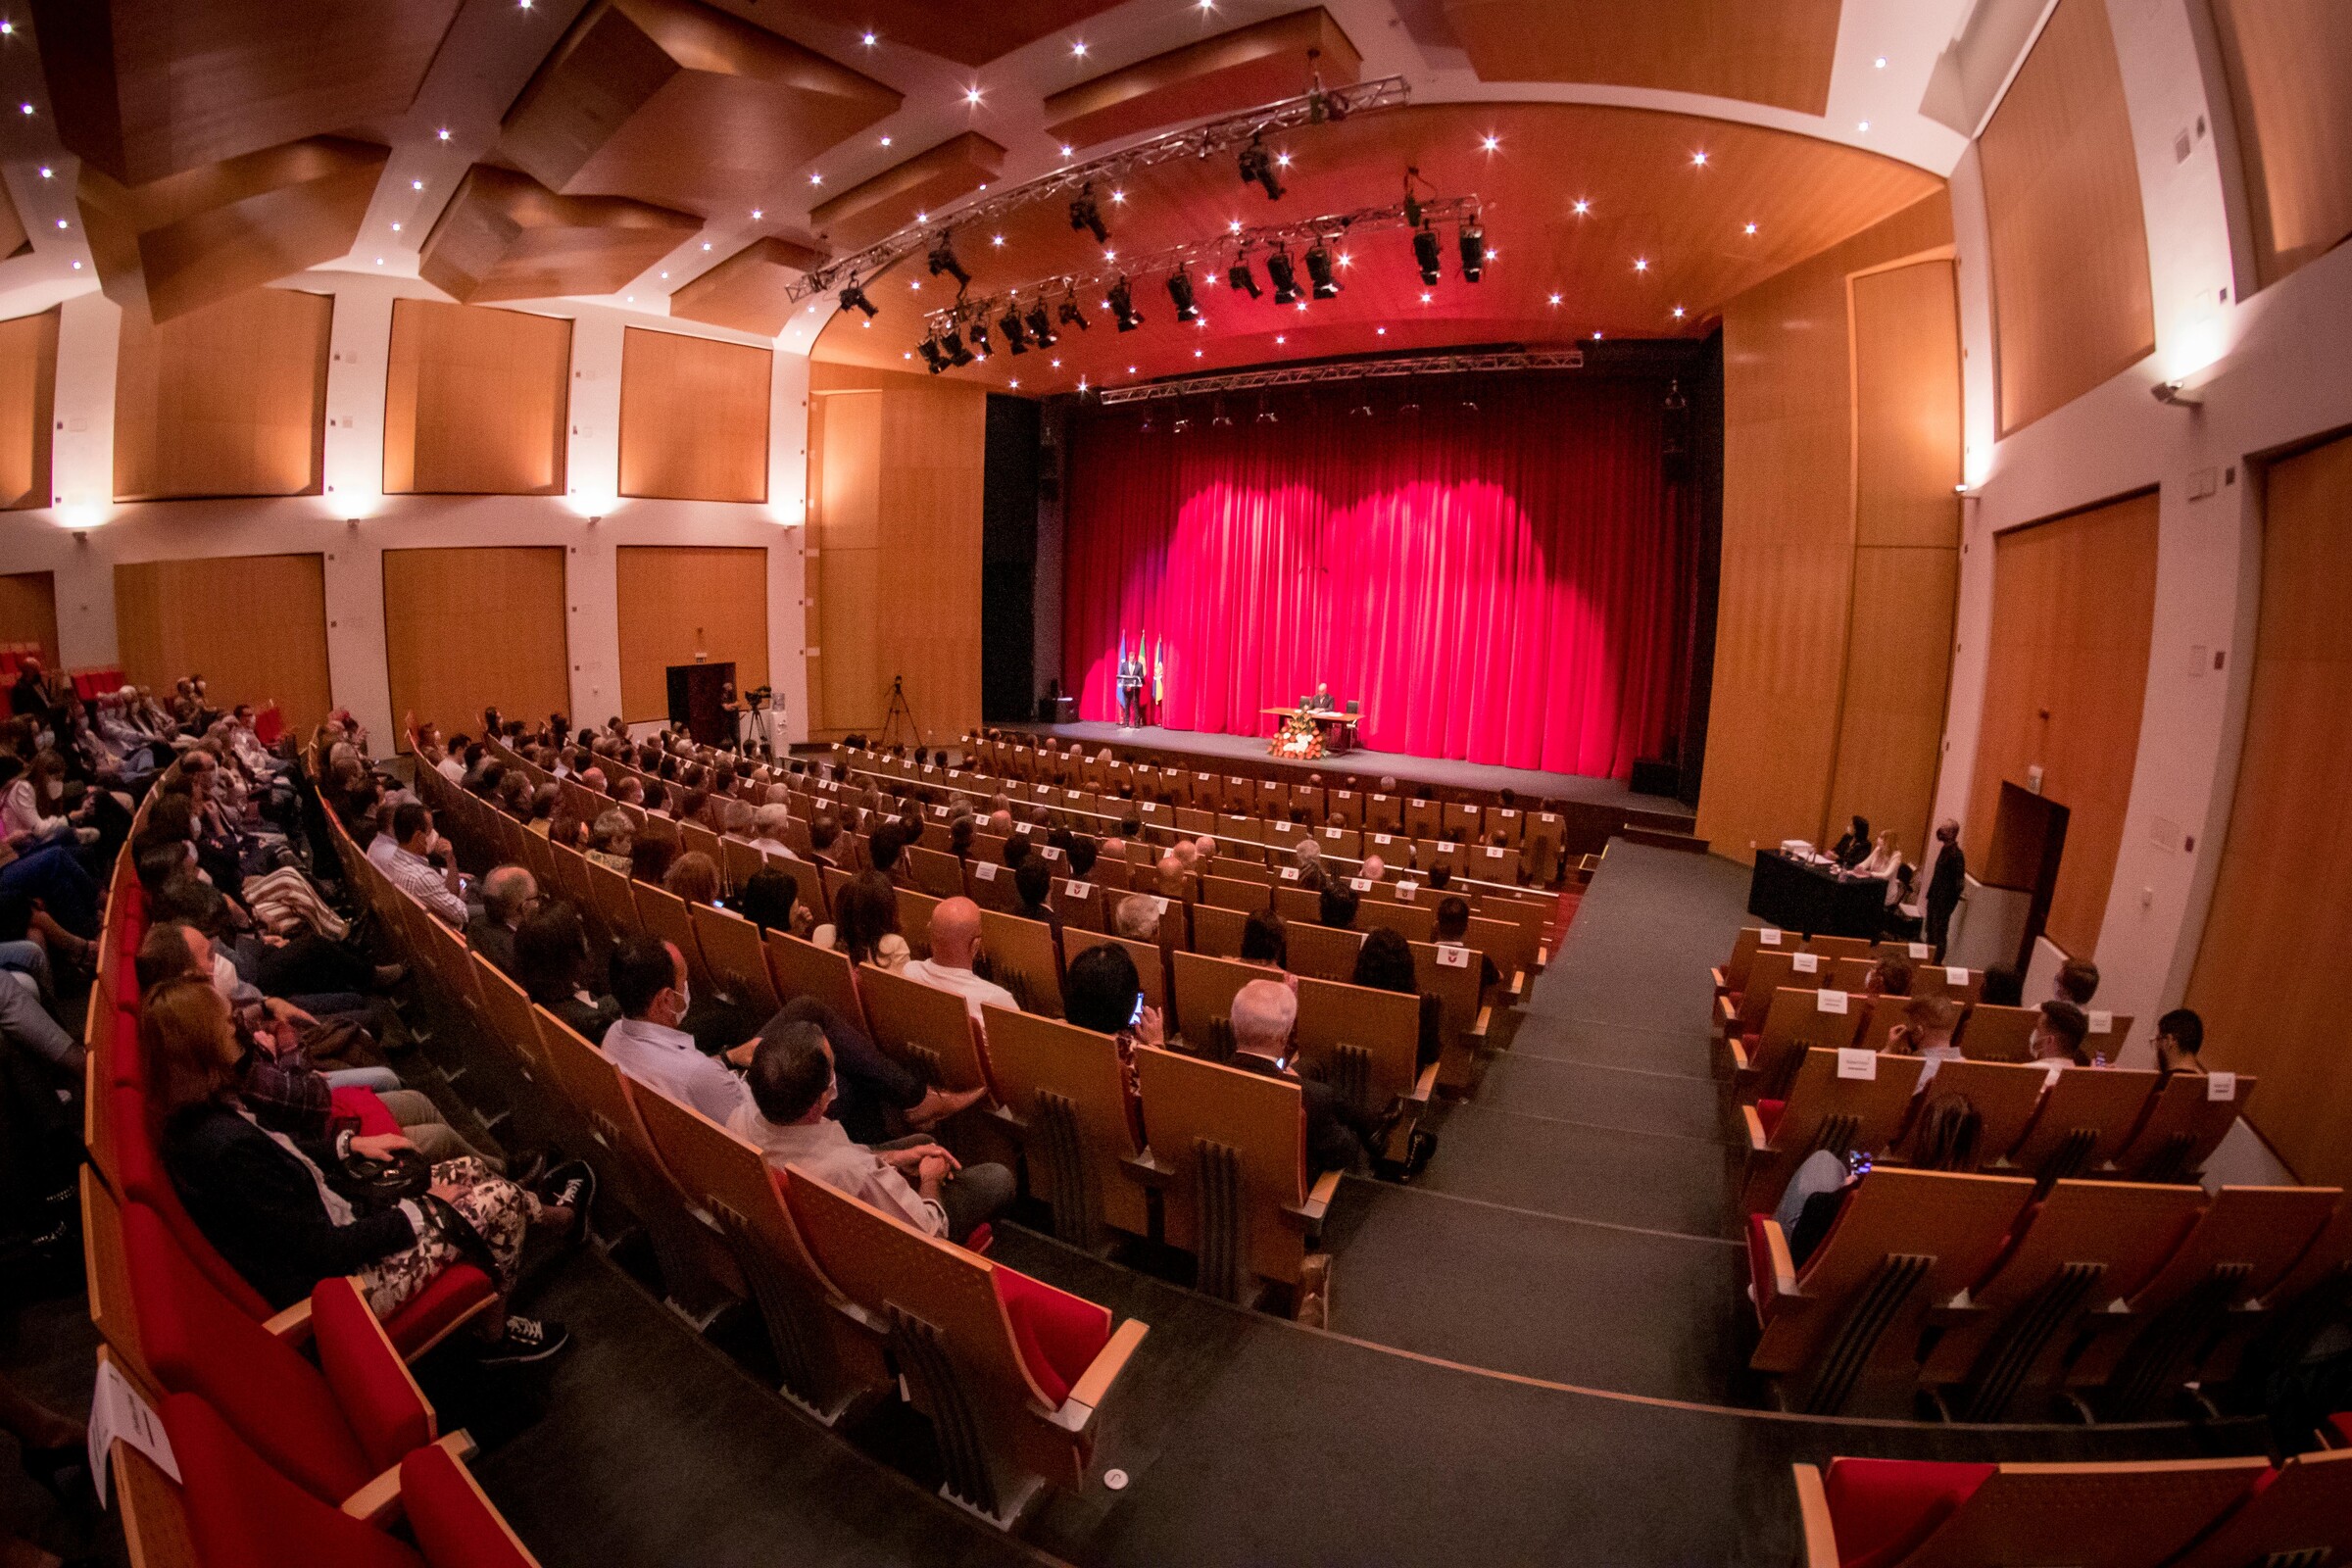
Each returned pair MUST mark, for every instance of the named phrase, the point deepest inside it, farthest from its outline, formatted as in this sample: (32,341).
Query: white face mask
(685,997)
(44,740)
(57,789)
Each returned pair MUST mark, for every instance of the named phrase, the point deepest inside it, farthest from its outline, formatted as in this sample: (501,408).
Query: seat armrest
(1478,1030)
(1740,1062)
(1727,1017)
(1722,981)
(1781,1286)
(1422,1086)
(1757,1142)
(1309,1214)
(1093,1387)
(1147,1169)
(378,1501)
(1820,1548)
(293,1325)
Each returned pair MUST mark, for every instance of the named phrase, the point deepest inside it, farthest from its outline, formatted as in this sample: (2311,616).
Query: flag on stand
(1159,672)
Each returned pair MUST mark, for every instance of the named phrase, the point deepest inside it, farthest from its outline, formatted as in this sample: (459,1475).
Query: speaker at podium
(699,695)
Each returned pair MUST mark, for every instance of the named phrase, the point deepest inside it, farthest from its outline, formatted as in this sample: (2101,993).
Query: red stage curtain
(1510,584)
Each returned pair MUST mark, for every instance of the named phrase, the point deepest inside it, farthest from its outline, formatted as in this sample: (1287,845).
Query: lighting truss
(1213,253)
(1201,141)
(1485,363)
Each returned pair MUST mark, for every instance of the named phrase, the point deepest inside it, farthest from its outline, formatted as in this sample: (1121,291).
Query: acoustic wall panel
(253,626)
(475,400)
(683,603)
(470,628)
(230,400)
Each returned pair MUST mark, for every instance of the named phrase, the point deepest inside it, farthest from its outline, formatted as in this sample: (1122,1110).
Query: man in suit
(1946,883)
(1264,1014)
(1131,689)
(1321,702)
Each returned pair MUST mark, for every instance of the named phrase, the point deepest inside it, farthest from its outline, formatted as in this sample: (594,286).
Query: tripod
(897,713)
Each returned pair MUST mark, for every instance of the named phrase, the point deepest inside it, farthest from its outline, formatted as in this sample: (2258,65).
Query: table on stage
(1798,895)
(1337,727)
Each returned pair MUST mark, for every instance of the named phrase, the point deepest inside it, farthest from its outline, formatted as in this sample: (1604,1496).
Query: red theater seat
(1059,1334)
(1883,1508)
(456,1525)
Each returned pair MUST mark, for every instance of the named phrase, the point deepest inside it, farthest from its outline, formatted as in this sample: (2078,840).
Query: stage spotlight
(1257,167)
(1122,306)
(931,357)
(1286,279)
(1182,422)
(951,343)
(942,260)
(1321,106)
(1180,290)
(1265,414)
(1009,323)
(853,297)
(1318,268)
(1474,250)
(1071,315)
(1085,215)
(979,332)
(1427,252)
(1040,325)
(1218,419)
(1242,279)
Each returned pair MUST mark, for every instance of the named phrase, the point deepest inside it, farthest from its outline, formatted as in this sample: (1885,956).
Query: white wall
(2273,369)
(354,523)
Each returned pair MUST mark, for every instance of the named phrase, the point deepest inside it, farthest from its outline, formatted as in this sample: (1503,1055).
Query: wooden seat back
(1234,893)
(1363,1043)
(930,1030)
(1956,981)
(1204,990)
(507,1020)
(2304,1515)
(2263,1231)
(934,871)
(2087,1117)
(665,915)
(1187,1103)
(1768,972)
(2184,1124)
(1295,905)
(1023,961)
(1449,971)
(1995,1033)
(735,956)
(2005,1095)
(1031,1057)
(1320,951)
(1826,1109)
(2327,1261)
(1797,1022)
(2136,1515)
(914,919)
(612,900)
(739,862)
(1217,933)
(1414,921)
(809,879)
(802,968)
(989,884)
(1079,903)
(1151,962)
(1828,948)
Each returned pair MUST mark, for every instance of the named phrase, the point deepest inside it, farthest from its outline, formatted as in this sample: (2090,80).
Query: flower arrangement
(1300,740)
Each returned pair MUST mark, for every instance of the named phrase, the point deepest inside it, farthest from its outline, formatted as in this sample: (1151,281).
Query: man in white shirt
(649,981)
(955,944)
(790,1089)
(2057,1039)
(1926,1032)
(411,869)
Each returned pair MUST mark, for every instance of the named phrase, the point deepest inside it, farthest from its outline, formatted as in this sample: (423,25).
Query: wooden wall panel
(27,409)
(476,401)
(29,613)
(469,628)
(2074,601)
(2278,940)
(692,418)
(896,469)
(230,400)
(1766,51)
(1906,577)
(2289,62)
(682,601)
(253,627)
(1789,538)
(2073,303)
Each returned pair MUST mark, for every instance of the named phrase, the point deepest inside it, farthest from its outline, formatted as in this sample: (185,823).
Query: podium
(699,695)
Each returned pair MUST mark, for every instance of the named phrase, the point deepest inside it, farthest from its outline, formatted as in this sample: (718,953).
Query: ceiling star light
(819,180)
(1067,149)
(416,184)
(1490,143)
(1641,264)
(1751,228)
(1698,159)
(1678,313)
(443,133)
(1581,207)
(1079,48)
(1595,334)
(868,40)
(47,172)
(1880,61)
(971,96)
(1866,127)
(1554,300)
(755,215)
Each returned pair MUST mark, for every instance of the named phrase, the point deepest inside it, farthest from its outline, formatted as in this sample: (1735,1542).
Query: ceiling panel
(1763,51)
(745,291)
(1232,71)
(970,33)
(1649,199)
(906,191)
(145,88)
(671,102)
(503,236)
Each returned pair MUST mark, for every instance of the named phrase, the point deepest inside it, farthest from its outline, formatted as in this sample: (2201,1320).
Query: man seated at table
(1320,701)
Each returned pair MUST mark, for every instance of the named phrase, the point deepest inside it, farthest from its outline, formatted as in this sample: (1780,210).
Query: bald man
(954,944)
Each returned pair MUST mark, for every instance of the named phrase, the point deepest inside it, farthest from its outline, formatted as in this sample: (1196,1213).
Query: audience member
(1385,963)
(424,866)
(1946,883)
(1263,944)
(1926,1032)
(2058,1035)
(1136,918)
(954,947)
(552,966)
(2003,987)
(648,1041)
(2078,981)
(1890,976)
(655,844)
(865,923)
(693,877)
(1264,1015)
(2179,1037)
(1340,905)
(771,900)
(509,893)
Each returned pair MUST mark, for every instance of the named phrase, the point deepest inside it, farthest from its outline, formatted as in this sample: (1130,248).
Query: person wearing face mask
(33,811)
(436,886)
(648,1041)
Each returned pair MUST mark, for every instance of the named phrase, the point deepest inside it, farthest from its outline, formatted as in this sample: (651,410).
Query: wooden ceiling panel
(1219,76)
(187,240)
(1646,201)
(671,102)
(745,291)
(1760,51)
(503,236)
(971,35)
(148,88)
(903,192)
(14,241)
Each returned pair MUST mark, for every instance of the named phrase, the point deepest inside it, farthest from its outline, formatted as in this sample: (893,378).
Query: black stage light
(1265,413)
(1180,290)
(1474,250)
(979,332)
(942,260)
(1009,323)
(1427,251)
(931,357)
(1286,279)
(1084,213)
(1257,167)
(1122,306)
(1242,278)
(1040,325)
(1318,268)
(1071,315)
(951,343)
(853,297)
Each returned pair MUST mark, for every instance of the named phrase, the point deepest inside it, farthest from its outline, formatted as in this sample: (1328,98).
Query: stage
(1250,755)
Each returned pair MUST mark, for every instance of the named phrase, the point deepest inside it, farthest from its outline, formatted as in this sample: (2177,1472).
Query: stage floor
(1435,773)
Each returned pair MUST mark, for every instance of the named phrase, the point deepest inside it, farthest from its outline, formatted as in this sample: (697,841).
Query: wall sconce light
(2176,394)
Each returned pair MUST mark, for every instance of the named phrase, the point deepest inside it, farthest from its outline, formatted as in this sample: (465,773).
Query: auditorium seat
(1205,989)
(1012,1371)
(1217,933)
(2085,1119)
(1363,1043)
(1993,1033)
(1739,1013)
(1824,1109)
(1023,959)
(1064,1095)
(1905,1241)
(732,953)
(2184,1125)
(2004,1095)
(930,1030)
(1320,951)
(1797,1022)
(1079,903)
(802,968)
(1913,1514)
(1449,971)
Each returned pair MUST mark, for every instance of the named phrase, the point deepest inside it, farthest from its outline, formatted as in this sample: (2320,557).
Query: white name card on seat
(1024,829)
(986,871)
(1078,889)
(929,771)
(1450,957)
(1382,839)
(1362,884)
(1335,832)
(1050,851)
(1827,1001)
(1494,853)
(1769,937)
(1955,974)
(1921,951)
(2220,1086)
(1806,962)
(1159,907)
(1074,794)
(2102,1024)
(1854,1062)
(1405,891)
(1205,777)
(117,1411)
(1290,873)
